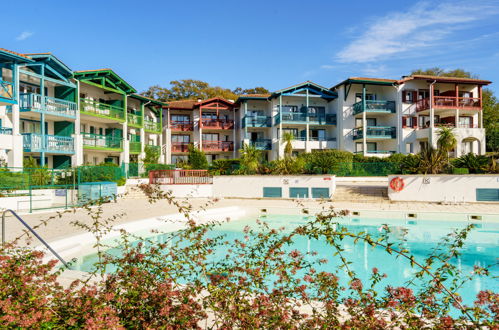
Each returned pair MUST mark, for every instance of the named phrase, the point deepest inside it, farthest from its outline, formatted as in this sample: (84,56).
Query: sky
(272,43)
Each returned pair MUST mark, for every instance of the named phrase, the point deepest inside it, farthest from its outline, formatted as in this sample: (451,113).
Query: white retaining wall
(189,190)
(441,188)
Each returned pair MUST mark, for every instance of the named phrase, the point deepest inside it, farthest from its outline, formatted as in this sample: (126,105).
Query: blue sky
(273,44)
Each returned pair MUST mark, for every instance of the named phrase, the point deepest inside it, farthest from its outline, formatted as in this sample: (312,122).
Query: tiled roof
(380,81)
(182,104)
(261,96)
(449,79)
(14,53)
(28,54)
(94,70)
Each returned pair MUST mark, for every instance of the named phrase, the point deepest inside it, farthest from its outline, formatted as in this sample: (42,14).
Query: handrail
(32,231)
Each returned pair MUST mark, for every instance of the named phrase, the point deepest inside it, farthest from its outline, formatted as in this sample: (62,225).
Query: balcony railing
(33,142)
(221,146)
(262,144)
(217,123)
(6,130)
(152,126)
(375,132)
(6,91)
(104,142)
(257,121)
(180,146)
(322,138)
(95,108)
(182,126)
(52,106)
(449,102)
(135,147)
(379,106)
(377,152)
(134,120)
(303,118)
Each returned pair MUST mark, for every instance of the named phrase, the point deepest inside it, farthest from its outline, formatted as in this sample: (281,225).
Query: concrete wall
(190,190)
(251,186)
(441,188)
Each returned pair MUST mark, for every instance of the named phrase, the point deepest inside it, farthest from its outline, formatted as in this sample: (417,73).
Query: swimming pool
(481,249)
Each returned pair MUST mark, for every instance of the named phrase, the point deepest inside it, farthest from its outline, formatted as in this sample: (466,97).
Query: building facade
(63,118)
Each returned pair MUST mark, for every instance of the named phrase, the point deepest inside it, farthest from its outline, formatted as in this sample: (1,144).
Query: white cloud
(423,25)
(24,35)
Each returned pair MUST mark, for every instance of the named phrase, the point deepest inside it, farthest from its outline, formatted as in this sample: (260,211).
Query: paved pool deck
(137,209)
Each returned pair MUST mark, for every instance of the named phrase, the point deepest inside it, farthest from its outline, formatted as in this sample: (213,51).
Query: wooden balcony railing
(221,146)
(180,177)
(180,146)
(450,102)
(217,123)
(182,126)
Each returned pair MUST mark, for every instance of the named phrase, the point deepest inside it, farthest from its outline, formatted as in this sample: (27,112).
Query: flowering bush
(195,278)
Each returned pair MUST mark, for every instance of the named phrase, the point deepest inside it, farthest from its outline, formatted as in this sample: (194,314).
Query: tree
(446,141)
(256,90)
(251,158)
(457,73)
(288,138)
(151,155)
(490,107)
(197,158)
(432,161)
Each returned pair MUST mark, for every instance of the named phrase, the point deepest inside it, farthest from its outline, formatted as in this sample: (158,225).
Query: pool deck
(140,208)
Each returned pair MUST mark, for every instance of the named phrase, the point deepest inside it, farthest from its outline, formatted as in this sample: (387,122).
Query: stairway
(361,194)
(134,192)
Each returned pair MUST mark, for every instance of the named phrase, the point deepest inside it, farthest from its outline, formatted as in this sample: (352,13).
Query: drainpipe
(400,144)
(432,114)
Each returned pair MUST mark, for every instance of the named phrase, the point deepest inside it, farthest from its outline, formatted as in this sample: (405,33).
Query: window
(371,146)
(181,118)
(298,192)
(358,97)
(180,138)
(272,192)
(371,122)
(320,192)
(466,122)
(316,111)
(409,148)
(179,159)
(409,96)
(318,134)
(465,94)
(210,136)
(289,108)
(209,115)
(293,131)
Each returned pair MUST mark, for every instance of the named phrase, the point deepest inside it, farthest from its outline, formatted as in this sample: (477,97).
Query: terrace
(182,126)
(218,146)
(152,126)
(48,105)
(103,110)
(134,120)
(304,118)
(450,102)
(102,142)
(374,106)
(262,144)
(180,146)
(222,124)
(48,143)
(257,121)
(135,144)
(375,132)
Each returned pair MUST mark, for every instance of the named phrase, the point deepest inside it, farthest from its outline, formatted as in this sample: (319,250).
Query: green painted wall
(64,128)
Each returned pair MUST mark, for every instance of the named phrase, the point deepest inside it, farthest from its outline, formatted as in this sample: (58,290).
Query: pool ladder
(32,231)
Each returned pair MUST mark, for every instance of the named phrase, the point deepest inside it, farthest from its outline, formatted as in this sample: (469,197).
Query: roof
(53,62)
(307,85)
(191,104)
(367,80)
(445,79)
(148,99)
(112,80)
(8,54)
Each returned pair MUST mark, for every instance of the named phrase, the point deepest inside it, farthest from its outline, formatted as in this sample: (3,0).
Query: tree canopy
(196,89)
(436,71)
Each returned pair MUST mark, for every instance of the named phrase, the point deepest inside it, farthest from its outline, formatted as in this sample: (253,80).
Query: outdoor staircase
(361,194)
(134,192)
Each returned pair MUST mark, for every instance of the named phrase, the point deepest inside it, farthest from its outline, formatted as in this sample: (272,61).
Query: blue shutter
(297,192)
(275,192)
(487,195)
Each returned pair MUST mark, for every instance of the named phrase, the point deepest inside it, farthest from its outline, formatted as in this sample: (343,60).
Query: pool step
(361,194)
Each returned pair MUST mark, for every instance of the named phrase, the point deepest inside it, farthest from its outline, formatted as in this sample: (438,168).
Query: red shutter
(414,122)
(471,122)
(404,96)
(404,122)
(414,97)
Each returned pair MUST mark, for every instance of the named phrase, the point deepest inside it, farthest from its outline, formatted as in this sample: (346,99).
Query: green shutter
(320,192)
(298,192)
(487,195)
(275,192)
(63,128)
(61,161)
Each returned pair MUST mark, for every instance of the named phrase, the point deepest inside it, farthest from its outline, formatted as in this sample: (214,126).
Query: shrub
(197,159)
(288,165)
(474,163)
(224,166)
(326,162)
(457,170)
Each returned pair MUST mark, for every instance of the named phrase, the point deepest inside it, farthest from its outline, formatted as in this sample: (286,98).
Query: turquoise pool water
(481,249)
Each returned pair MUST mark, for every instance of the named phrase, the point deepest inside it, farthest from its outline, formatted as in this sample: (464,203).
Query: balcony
(180,146)
(134,120)
(385,153)
(6,92)
(375,132)
(50,105)
(182,126)
(257,121)
(262,144)
(304,118)
(135,147)
(5,130)
(103,110)
(450,102)
(217,123)
(220,146)
(374,106)
(102,142)
(33,142)
(152,126)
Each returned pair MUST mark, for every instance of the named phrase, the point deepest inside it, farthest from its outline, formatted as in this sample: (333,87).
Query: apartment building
(207,124)
(63,118)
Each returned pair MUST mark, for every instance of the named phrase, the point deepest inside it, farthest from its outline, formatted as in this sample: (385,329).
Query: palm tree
(287,138)
(446,141)
(432,161)
(250,159)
